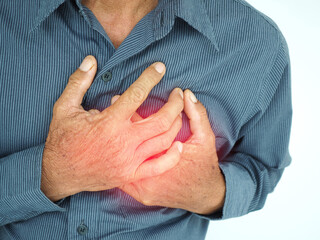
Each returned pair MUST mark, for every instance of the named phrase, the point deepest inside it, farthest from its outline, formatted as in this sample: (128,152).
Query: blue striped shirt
(231,56)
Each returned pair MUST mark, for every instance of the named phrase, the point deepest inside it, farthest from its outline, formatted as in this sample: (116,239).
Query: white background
(292,211)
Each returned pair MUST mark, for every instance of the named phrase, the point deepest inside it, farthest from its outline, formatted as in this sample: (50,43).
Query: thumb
(197,114)
(79,82)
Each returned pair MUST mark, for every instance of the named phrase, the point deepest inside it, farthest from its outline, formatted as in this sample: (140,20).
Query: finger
(162,120)
(135,117)
(136,94)
(114,99)
(79,82)
(197,114)
(159,143)
(160,165)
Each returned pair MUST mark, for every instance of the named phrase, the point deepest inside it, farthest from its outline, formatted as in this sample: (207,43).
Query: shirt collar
(192,11)
(45,9)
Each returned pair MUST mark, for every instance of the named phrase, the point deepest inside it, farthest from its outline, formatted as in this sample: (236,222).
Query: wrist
(215,202)
(50,181)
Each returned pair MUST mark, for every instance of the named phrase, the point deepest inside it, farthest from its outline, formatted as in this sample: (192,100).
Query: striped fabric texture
(231,56)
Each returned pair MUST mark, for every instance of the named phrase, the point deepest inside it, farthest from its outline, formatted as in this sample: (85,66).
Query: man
(136,168)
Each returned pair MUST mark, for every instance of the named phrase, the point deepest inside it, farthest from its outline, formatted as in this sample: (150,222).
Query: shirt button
(82,229)
(106,77)
(80,12)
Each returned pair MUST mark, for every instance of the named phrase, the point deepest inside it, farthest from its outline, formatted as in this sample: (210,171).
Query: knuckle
(128,177)
(163,123)
(138,93)
(165,143)
(151,77)
(58,109)
(75,80)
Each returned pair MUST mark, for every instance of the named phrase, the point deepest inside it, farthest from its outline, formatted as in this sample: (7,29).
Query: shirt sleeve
(256,162)
(20,194)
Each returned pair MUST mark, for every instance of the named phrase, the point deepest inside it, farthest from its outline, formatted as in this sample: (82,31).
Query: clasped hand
(94,151)
(196,183)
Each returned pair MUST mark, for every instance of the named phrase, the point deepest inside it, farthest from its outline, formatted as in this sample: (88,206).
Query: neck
(121,8)
(118,17)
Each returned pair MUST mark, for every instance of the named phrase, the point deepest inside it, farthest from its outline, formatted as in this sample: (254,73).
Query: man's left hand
(196,183)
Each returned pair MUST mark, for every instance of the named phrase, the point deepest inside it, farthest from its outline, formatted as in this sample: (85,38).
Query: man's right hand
(94,151)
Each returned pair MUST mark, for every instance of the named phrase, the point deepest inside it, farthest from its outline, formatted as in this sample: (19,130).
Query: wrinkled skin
(196,183)
(94,151)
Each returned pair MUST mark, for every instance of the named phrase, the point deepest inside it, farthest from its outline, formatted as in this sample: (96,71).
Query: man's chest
(33,80)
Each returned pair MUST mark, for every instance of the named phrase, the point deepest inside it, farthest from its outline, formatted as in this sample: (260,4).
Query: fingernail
(180,92)
(114,99)
(180,147)
(159,67)
(193,97)
(180,114)
(86,64)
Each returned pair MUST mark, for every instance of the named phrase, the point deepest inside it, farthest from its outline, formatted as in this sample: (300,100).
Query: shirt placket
(83,215)
(111,73)
(85,208)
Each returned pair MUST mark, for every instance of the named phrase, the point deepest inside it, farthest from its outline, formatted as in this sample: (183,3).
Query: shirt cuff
(239,193)
(21,197)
